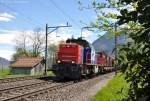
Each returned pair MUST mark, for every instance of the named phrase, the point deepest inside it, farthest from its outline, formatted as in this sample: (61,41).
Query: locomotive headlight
(58,61)
(73,61)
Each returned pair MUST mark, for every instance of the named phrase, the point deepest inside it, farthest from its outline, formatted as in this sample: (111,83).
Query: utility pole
(116,48)
(47,33)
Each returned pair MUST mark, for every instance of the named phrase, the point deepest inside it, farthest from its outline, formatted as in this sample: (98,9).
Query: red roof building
(30,66)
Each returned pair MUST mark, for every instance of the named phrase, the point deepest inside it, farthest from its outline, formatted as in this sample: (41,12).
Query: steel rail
(19,87)
(15,79)
(37,92)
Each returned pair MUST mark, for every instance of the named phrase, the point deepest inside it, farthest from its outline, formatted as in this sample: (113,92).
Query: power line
(65,14)
(28,19)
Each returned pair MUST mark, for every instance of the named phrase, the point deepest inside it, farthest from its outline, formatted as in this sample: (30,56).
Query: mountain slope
(107,44)
(4,61)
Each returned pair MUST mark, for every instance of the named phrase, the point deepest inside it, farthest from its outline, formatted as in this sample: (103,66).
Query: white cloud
(6,54)
(4,31)
(6,17)
(65,33)
(8,37)
(60,34)
(55,39)
(87,34)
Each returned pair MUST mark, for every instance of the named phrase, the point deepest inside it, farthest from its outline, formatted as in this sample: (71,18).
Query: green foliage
(134,58)
(115,90)
(52,48)
(106,15)
(20,53)
(6,73)
(29,45)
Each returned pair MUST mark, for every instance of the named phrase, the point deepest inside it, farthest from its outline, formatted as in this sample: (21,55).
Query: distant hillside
(105,43)
(4,61)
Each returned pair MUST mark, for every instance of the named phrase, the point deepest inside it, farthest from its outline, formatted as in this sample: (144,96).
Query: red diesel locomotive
(77,57)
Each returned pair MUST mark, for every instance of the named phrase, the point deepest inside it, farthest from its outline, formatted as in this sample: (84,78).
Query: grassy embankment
(4,73)
(7,73)
(115,90)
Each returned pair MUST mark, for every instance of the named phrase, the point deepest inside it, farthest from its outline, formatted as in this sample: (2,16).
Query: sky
(25,15)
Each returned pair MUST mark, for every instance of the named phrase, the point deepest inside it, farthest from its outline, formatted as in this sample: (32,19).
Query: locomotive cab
(69,60)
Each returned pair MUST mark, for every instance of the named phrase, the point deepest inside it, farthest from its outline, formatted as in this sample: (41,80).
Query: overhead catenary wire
(64,13)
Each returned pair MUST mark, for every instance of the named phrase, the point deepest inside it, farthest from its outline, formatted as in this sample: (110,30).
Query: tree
(29,44)
(21,41)
(21,46)
(134,58)
(106,15)
(37,42)
(53,48)
(20,53)
(52,53)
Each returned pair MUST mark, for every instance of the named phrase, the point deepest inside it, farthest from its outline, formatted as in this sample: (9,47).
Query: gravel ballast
(81,91)
(89,93)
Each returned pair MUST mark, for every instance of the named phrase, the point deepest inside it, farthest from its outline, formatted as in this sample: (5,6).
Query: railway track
(7,80)
(5,86)
(21,86)
(21,90)
(32,89)
(70,93)
(25,92)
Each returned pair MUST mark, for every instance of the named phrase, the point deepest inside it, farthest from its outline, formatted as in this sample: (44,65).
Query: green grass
(4,73)
(50,73)
(115,90)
